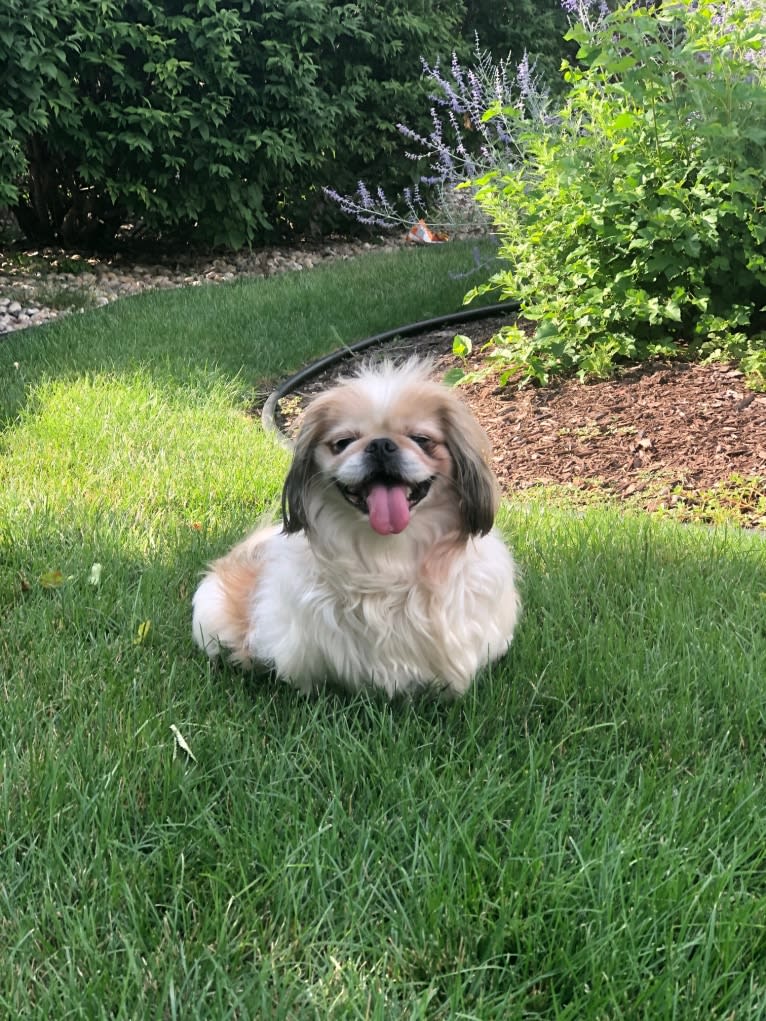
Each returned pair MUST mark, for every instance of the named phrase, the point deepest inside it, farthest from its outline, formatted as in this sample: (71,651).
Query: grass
(251,332)
(734,501)
(582,837)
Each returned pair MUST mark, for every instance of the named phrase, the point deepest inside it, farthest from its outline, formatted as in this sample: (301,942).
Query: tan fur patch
(238,573)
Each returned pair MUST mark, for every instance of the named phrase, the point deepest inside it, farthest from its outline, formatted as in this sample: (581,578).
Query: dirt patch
(668,435)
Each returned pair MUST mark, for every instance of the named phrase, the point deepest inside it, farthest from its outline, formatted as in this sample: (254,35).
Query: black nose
(382,455)
(381,448)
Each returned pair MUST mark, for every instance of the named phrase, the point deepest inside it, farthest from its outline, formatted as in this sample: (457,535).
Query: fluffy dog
(387,570)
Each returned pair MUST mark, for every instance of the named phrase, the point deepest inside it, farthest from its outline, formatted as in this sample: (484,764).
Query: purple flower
(364,195)
(523,76)
(463,143)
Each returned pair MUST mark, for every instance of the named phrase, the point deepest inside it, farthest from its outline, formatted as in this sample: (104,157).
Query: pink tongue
(388,509)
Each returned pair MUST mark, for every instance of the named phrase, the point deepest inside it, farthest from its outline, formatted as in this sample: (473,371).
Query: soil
(677,437)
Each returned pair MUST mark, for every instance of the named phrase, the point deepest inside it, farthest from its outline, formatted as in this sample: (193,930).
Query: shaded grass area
(582,837)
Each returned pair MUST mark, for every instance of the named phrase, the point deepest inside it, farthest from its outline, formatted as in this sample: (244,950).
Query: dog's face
(388,446)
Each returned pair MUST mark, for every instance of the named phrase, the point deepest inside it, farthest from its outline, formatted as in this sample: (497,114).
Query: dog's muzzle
(387,502)
(384,495)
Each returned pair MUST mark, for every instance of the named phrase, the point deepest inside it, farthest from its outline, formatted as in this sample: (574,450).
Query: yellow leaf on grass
(52,579)
(143,632)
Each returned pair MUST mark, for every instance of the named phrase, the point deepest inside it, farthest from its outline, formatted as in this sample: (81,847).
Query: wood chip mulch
(664,435)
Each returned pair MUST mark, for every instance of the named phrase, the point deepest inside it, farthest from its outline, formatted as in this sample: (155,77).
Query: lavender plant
(589,13)
(478,118)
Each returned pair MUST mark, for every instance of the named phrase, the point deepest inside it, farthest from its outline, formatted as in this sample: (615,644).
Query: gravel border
(41,284)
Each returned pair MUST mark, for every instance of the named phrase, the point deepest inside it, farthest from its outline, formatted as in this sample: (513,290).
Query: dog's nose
(381,449)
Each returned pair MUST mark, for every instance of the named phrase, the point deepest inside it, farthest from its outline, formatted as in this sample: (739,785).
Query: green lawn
(584,836)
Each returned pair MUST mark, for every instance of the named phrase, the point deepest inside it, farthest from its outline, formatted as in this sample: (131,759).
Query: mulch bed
(661,435)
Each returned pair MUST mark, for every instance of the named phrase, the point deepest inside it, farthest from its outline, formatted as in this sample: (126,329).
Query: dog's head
(388,446)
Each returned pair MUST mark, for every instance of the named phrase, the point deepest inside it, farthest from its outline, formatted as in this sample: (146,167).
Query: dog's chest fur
(378,619)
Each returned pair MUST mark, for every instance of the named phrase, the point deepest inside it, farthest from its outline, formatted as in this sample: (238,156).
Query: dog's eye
(338,446)
(422,441)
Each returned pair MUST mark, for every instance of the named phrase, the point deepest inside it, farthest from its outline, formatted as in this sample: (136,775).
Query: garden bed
(662,436)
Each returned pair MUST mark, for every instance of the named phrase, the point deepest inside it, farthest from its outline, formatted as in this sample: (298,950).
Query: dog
(387,570)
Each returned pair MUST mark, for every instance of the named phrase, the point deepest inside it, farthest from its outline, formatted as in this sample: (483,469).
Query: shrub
(24,30)
(131,107)
(199,115)
(517,46)
(635,225)
(511,28)
(222,120)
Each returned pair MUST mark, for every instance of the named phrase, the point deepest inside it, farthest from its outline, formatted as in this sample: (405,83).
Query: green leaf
(462,346)
(453,376)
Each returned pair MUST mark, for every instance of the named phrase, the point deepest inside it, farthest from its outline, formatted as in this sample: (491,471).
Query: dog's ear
(302,471)
(475,484)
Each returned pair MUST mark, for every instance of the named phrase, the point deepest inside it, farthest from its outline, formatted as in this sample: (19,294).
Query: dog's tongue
(388,509)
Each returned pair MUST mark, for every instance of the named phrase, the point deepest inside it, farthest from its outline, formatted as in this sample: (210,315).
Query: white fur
(336,601)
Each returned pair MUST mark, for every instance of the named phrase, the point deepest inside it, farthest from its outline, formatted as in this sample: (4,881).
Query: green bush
(636,224)
(197,115)
(22,77)
(222,121)
(132,106)
(514,27)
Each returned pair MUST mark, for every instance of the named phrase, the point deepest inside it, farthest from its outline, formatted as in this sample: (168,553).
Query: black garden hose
(410,330)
